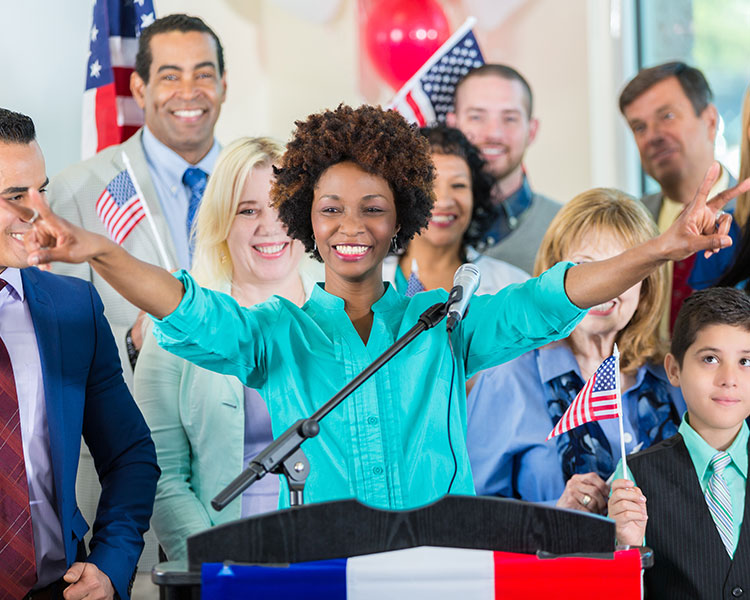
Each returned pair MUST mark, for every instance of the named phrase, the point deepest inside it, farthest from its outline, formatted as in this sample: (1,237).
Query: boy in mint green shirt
(695,481)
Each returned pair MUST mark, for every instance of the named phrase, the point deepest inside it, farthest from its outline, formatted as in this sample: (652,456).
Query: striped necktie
(195,179)
(17,558)
(719,501)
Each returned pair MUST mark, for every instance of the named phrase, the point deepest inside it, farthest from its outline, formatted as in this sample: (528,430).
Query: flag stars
(96,69)
(146,19)
(94,33)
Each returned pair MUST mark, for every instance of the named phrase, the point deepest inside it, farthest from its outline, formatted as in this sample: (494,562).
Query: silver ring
(34,217)
(586,500)
(719,214)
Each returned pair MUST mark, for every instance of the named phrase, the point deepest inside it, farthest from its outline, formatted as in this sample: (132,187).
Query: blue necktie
(196,180)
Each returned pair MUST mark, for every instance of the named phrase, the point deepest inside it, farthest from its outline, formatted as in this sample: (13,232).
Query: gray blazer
(519,248)
(73,195)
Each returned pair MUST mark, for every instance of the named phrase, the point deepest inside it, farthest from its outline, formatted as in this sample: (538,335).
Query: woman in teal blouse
(352,182)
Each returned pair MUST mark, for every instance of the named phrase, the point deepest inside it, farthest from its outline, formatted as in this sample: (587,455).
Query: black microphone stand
(284,456)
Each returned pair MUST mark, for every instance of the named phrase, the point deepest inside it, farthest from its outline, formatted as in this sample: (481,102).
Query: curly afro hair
(448,140)
(379,142)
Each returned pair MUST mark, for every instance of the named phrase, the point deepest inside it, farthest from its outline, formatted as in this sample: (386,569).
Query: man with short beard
(493,108)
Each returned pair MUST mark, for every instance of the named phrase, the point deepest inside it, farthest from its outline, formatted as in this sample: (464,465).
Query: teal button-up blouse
(387,444)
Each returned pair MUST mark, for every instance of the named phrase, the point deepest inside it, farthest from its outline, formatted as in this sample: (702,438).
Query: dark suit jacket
(85,393)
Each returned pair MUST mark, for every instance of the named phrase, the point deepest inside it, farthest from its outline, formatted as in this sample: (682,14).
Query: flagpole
(457,35)
(616,354)
(147,210)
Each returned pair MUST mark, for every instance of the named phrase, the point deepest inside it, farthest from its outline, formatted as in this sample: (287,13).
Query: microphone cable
(450,397)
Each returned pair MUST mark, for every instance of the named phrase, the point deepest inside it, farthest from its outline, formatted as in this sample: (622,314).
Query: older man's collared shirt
(167,168)
(388,444)
(18,334)
(670,210)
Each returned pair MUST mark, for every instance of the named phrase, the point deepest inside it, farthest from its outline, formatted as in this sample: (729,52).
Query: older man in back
(669,110)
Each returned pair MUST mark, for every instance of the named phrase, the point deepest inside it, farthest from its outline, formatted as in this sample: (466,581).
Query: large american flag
(596,401)
(119,207)
(428,96)
(110,115)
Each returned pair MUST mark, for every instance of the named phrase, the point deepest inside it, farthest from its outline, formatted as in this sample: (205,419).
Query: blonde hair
(742,212)
(212,263)
(604,210)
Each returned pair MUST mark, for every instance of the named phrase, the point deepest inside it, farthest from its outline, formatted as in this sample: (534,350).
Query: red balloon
(400,35)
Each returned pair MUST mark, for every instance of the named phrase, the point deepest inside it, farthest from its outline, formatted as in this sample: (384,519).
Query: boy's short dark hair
(16,128)
(714,306)
(176,22)
(692,81)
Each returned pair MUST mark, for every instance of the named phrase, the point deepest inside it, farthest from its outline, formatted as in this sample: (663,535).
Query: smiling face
(353,220)
(451,214)
(184,93)
(610,317)
(672,140)
(260,248)
(21,167)
(715,381)
(493,113)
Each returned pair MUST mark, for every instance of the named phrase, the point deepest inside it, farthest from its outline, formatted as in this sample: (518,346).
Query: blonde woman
(206,425)
(514,406)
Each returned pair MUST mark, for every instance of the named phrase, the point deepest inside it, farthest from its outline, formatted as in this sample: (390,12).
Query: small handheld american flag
(596,401)
(428,96)
(119,207)
(599,399)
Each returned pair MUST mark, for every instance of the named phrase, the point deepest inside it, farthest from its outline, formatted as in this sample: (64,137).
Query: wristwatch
(132,350)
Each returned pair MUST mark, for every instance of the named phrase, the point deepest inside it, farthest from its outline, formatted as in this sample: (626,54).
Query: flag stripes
(120,208)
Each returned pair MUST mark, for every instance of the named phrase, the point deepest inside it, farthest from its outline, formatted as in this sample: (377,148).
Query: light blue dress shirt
(509,423)
(167,168)
(388,443)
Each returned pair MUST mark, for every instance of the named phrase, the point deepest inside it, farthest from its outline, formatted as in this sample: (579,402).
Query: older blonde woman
(514,406)
(206,425)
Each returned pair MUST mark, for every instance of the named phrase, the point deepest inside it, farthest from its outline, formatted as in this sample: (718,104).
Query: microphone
(465,283)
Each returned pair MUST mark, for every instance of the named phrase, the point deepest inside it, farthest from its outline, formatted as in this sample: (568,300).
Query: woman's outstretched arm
(700,227)
(51,238)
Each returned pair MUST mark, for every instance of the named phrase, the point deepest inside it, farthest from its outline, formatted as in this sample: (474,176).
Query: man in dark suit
(60,377)
(669,110)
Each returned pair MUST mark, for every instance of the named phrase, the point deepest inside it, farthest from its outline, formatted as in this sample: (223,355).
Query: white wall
(281,68)
(43,50)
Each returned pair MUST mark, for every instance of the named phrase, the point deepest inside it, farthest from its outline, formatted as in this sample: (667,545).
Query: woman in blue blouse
(352,184)
(508,452)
